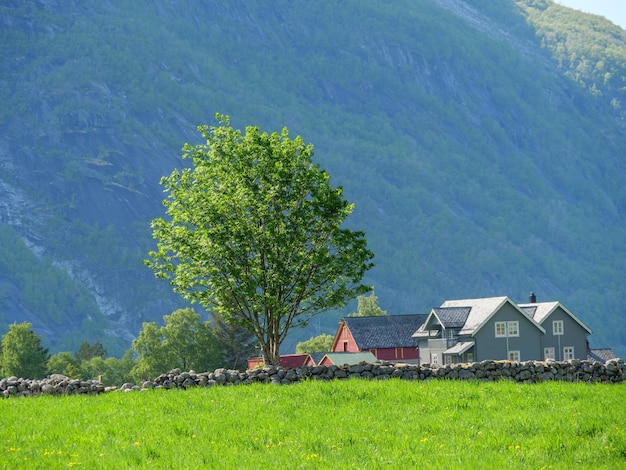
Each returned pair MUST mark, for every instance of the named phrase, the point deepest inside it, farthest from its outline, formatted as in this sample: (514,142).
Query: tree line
(184,341)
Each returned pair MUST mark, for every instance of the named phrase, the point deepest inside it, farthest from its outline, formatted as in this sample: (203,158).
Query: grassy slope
(354,423)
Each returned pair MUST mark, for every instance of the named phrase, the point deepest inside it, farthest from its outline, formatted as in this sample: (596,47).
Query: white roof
(459,348)
(482,310)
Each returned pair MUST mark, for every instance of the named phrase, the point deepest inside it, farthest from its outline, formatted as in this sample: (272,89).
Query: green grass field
(341,424)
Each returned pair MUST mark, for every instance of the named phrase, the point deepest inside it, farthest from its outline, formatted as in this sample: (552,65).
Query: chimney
(533,298)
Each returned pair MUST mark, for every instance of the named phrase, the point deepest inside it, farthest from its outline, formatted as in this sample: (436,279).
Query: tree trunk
(271,354)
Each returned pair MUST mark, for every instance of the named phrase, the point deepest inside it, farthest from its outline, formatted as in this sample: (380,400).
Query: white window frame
(514,356)
(507,329)
(434,358)
(558,328)
(512,329)
(568,353)
(549,354)
(469,356)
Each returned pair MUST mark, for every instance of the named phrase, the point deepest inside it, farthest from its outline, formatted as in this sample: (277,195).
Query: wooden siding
(574,335)
(395,354)
(528,343)
(344,341)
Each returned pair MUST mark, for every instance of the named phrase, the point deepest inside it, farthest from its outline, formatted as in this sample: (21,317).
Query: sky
(613,10)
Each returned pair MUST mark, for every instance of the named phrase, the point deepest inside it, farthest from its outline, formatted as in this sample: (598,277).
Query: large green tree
(184,342)
(22,353)
(254,231)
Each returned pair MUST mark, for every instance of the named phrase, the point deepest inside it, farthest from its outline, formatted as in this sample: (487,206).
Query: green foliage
(355,424)
(46,288)
(64,363)
(22,354)
(254,232)
(587,48)
(320,343)
(112,371)
(368,307)
(184,342)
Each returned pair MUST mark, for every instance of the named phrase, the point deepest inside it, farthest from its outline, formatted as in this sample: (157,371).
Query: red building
(388,338)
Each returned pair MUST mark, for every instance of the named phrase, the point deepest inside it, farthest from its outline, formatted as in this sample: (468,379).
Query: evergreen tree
(86,351)
(237,344)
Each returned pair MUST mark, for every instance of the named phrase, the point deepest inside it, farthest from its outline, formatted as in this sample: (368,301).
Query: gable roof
(317,357)
(540,311)
(482,310)
(349,358)
(387,331)
(452,317)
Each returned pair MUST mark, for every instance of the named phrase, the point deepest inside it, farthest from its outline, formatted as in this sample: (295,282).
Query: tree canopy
(255,232)
(321,343)
(185,342)
(367,306)
(22,353)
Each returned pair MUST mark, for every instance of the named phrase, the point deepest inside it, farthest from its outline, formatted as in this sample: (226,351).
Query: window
(448,359)
(345,346)
(568,353)
(512,328)
(507,328)
(548,354)
(557,327)
(434,358)
(469,357)
(514,356)
(399,353)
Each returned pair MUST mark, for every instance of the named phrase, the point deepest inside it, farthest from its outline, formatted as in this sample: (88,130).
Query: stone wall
(613,371)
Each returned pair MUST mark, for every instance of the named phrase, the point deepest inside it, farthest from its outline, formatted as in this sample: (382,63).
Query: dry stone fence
(613,371)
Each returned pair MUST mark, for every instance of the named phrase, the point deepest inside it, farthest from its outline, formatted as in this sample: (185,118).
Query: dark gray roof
(529,310)
(452,317)
(388,331)
(600,355)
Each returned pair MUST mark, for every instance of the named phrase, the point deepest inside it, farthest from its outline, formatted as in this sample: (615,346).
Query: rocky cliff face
(465,150)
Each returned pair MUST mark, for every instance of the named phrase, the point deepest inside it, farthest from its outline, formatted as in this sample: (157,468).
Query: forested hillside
(482,142)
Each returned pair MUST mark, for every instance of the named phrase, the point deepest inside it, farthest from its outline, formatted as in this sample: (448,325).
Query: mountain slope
(480,164)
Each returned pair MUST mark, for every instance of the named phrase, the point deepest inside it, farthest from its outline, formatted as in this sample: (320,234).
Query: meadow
(341,424)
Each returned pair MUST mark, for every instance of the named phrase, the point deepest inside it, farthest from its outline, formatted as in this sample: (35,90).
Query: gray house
(566,335)
(482,329)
